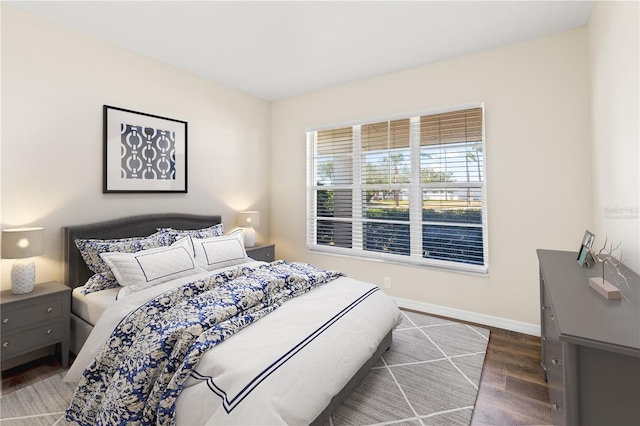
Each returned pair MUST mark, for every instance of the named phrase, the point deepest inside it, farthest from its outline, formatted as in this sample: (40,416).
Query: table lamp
(23,244)
(247,220)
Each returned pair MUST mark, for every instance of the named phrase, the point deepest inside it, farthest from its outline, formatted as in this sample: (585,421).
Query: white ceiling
(274,50)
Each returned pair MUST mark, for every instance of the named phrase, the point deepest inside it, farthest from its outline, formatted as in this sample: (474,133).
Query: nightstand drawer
(36,337)
(265,253)
(24,315)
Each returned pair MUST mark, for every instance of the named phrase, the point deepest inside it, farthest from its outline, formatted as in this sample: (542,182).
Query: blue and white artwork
(147,153)
(143,152)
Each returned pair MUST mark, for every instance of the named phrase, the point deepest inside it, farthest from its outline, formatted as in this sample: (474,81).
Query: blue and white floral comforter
(169,346)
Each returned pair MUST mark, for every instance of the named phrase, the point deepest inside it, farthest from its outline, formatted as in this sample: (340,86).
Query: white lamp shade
(20,243)
(249,219)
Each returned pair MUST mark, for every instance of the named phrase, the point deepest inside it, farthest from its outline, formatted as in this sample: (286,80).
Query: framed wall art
(143,152)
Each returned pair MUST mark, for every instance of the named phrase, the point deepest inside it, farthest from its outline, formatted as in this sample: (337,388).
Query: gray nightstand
(264,252)
(35,320)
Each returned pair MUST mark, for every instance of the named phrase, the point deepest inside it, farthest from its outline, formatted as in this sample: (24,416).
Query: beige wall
(536,98)
(54,83)
(614,46)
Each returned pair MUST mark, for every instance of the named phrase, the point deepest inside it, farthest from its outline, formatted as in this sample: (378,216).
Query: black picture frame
(584,253)
(143,153)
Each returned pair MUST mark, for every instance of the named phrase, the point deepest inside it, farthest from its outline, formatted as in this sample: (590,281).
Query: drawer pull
(556,406)
(5,321)
(555,361)
(544,338)
(543,307)
(49,310)
(553,318)
(49,331)
(5,345)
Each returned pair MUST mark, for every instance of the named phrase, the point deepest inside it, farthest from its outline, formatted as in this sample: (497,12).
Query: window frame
(415,190)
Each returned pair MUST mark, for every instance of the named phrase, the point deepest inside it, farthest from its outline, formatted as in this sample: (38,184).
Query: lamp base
(23,277)
(249,235)
(605,288)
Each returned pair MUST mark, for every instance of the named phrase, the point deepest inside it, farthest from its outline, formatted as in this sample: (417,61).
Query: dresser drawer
(17,315)
(555,379)
(553,359)
(550,326)
(25,340)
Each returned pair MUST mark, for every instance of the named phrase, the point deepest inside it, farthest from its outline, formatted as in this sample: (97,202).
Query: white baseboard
(506,324)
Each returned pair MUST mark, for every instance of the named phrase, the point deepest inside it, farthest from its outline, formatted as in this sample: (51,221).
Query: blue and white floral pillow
(100,281)
(176,234)
(90,249)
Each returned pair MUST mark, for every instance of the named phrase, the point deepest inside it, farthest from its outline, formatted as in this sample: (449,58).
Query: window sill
(408,263)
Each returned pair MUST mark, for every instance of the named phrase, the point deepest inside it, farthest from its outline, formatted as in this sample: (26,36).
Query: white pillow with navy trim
(146,268)
(219,252)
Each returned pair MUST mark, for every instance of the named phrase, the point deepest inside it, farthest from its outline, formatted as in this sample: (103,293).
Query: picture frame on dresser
(584,253)
(143,152)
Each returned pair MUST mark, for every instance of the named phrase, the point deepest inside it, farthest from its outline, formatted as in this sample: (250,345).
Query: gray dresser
(590,345)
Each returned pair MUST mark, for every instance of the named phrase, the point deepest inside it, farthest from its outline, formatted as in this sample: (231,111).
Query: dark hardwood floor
(30,373)
(512,390)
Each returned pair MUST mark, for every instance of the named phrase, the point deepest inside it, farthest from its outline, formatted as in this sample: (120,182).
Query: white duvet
(284,368)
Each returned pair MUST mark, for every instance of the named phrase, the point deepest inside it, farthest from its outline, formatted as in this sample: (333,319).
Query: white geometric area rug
(429,376)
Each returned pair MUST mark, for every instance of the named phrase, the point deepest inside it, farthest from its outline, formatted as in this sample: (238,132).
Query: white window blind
(408,190)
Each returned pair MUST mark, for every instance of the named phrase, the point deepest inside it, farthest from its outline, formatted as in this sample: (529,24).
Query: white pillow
(146,268)
(219,252)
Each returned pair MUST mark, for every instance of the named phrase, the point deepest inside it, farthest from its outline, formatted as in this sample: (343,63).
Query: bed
(292,362)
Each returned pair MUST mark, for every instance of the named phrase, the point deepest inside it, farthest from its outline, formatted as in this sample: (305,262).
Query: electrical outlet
(387,282)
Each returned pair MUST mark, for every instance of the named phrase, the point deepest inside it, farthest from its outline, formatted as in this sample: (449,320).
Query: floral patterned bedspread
(139,372)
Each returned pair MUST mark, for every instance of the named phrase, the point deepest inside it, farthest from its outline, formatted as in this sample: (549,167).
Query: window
(408,189)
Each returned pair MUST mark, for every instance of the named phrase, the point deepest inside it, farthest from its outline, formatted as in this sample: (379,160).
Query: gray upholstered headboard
(76,272)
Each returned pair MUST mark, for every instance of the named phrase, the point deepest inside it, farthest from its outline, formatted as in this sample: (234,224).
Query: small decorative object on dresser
(600,284)
(23,244)
(247,220)
(585,258)
(35,320)
(590,346)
